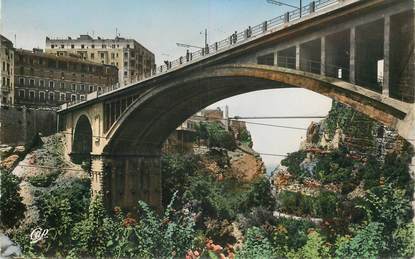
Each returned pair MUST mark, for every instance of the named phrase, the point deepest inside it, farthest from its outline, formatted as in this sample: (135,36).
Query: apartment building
(134,62)
(47,80)
(6,71)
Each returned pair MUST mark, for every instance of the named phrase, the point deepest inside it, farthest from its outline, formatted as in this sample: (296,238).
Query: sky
(159,25)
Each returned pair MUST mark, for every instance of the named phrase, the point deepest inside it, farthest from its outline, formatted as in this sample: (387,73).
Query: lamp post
(292,6)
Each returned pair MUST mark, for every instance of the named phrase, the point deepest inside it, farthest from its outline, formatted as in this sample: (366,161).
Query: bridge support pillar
(124,180)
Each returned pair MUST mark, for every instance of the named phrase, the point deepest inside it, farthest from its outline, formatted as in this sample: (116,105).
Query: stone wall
(18,125)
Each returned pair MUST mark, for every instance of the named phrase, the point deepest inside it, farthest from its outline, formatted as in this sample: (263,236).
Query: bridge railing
(235,39)
(248,34)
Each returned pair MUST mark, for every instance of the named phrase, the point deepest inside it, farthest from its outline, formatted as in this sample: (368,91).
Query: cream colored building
(134,62)
(6,71)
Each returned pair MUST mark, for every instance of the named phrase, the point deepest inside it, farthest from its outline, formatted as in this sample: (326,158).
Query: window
(32,82)
(104,46)
(22,81)
(125,73)
(62,46)
(4,81)
(82,46)
(91,88)
(4,66)
(99,88)
(51,96)
(52,46)
(21,94)
(93,46)
(42,83)
(62,85)
(102,55)
(82,88)
(31,95)
(82,97)
(72,46)
(113,46)
(8,81)
(128,46)
(92,56)
(125,63)
(73,97)
(73,87)
(62,97)
(112,55)
(51,84)
(41,96)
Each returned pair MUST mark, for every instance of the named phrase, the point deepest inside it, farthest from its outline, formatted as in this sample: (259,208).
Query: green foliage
(404,241)
(93,235)
(43,180)
(169,236)
(59,210)
(290,234)
(256,245)
(176,170)
(12,208)
(260,195)
(324,205)
(245,137)
(367,243)
(293,161)
(216,135)
(316,247)
(387,205)
(334,167)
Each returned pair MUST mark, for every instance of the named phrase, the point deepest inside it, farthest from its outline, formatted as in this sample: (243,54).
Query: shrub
(260,195)
(315,248)
(404,241)
(12,208)
(293,161)
(219,137)
(256,245)
(325,205)
(59,210)
(176,170)
(367,243)
(43,180)
(290,234)
(387,205)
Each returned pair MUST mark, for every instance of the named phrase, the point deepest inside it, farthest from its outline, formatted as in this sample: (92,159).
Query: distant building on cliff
(6,71)
(134,61)
(46,80)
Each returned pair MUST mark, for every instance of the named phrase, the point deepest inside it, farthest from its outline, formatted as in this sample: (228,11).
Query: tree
(12,208)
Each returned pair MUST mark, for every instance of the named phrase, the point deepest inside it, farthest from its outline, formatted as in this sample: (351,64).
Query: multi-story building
(47,80)
(134,61)
(6,71)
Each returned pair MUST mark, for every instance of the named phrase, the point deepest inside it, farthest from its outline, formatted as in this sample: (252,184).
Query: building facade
(47,80)
(133,61)
(6,71)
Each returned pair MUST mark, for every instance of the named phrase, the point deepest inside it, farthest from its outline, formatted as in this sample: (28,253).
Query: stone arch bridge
(357,52)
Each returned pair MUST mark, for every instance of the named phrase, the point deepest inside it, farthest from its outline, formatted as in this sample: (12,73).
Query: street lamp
(292,6)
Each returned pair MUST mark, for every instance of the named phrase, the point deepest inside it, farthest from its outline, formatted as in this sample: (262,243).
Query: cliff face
(360,135)
(347,155)
(224,153)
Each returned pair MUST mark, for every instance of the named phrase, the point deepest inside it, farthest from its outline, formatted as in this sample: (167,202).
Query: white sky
(159,25)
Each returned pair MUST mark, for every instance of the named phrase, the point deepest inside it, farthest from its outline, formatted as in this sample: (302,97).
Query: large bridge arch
(145,125)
